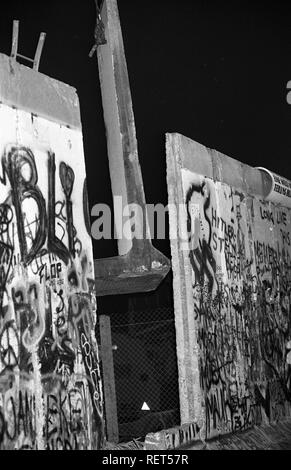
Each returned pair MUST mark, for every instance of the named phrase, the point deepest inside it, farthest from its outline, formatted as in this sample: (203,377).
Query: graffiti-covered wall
(237,273)
(50,392)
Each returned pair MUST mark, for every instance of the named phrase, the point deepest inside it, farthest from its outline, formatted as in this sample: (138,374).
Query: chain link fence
(145,371)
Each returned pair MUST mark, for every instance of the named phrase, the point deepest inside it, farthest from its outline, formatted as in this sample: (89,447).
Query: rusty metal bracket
(14,49)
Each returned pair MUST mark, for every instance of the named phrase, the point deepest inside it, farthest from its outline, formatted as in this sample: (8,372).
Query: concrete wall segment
(32,91)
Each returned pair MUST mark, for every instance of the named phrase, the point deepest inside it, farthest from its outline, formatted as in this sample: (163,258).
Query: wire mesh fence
(145,371)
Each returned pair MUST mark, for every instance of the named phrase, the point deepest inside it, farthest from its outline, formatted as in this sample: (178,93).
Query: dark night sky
(214,71)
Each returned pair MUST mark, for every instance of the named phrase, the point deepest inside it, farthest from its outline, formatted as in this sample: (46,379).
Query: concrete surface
(275,437)
(50,385)
(231,258)
(36,93)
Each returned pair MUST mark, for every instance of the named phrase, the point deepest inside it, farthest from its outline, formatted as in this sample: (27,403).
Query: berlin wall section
(50,386)
(231,261)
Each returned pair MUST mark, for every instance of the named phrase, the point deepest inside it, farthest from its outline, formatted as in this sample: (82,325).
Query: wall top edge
(198,158)
(35,92)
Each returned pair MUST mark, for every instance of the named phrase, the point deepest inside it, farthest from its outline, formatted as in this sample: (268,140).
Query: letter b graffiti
(19,165)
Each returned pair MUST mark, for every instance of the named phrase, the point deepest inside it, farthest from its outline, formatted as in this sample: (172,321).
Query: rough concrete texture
(173,438)
(27,89)
(265,437)
(125,172)
(232,268)
(50,388)
(139,267)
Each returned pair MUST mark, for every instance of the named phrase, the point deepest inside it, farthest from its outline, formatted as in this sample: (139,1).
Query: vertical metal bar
(108,379)
(14,47)
(39,51)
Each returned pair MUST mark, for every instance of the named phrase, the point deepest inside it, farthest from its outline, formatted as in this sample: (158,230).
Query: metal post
(108,379)
(14,48)
(15,33)
(39,51)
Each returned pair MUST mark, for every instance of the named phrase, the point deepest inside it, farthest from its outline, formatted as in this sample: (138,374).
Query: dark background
(214,71)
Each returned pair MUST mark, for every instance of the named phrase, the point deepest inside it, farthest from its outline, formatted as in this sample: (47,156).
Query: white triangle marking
(145,406)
